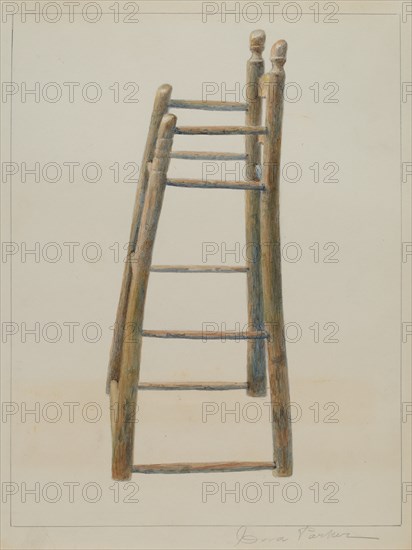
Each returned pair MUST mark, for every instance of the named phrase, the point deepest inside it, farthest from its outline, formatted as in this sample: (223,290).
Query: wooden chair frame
(263,268)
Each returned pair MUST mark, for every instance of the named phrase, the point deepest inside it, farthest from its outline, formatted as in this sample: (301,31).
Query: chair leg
(123,440)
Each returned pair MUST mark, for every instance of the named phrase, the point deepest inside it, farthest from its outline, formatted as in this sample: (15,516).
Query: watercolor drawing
(266,342)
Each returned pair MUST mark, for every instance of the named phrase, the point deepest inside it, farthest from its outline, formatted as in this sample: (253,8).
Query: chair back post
(273,86)
(160,107)
(256,366)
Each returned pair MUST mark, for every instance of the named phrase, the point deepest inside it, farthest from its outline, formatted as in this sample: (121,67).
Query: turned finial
(278,55)
(257,43)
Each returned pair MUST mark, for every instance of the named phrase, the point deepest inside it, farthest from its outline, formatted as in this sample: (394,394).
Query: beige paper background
(360,454)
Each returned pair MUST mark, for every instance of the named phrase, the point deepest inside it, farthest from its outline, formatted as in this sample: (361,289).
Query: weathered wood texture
(256,361)
(271,264)
(207,155)
(159,109)
(216,184)
(131,350)
(199,386)
(205,335)
(202,467)
(220,130)
(198,269)
(208,105)
(114,405)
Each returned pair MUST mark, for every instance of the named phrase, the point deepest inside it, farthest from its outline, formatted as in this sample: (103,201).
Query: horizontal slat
(205,155)
(198,269)
(208,105)
(205,335)
(200,386)
(220,130)
(201,467)
(217,184)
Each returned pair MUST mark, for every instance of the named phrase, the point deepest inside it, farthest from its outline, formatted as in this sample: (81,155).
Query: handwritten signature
(245,536)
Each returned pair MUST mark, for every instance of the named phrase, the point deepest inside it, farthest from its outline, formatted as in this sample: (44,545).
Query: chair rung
(201,386)
(220,130)
(206,335)
(198,269)
(208,105)
(200,155)
(217,184)
(201,467)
